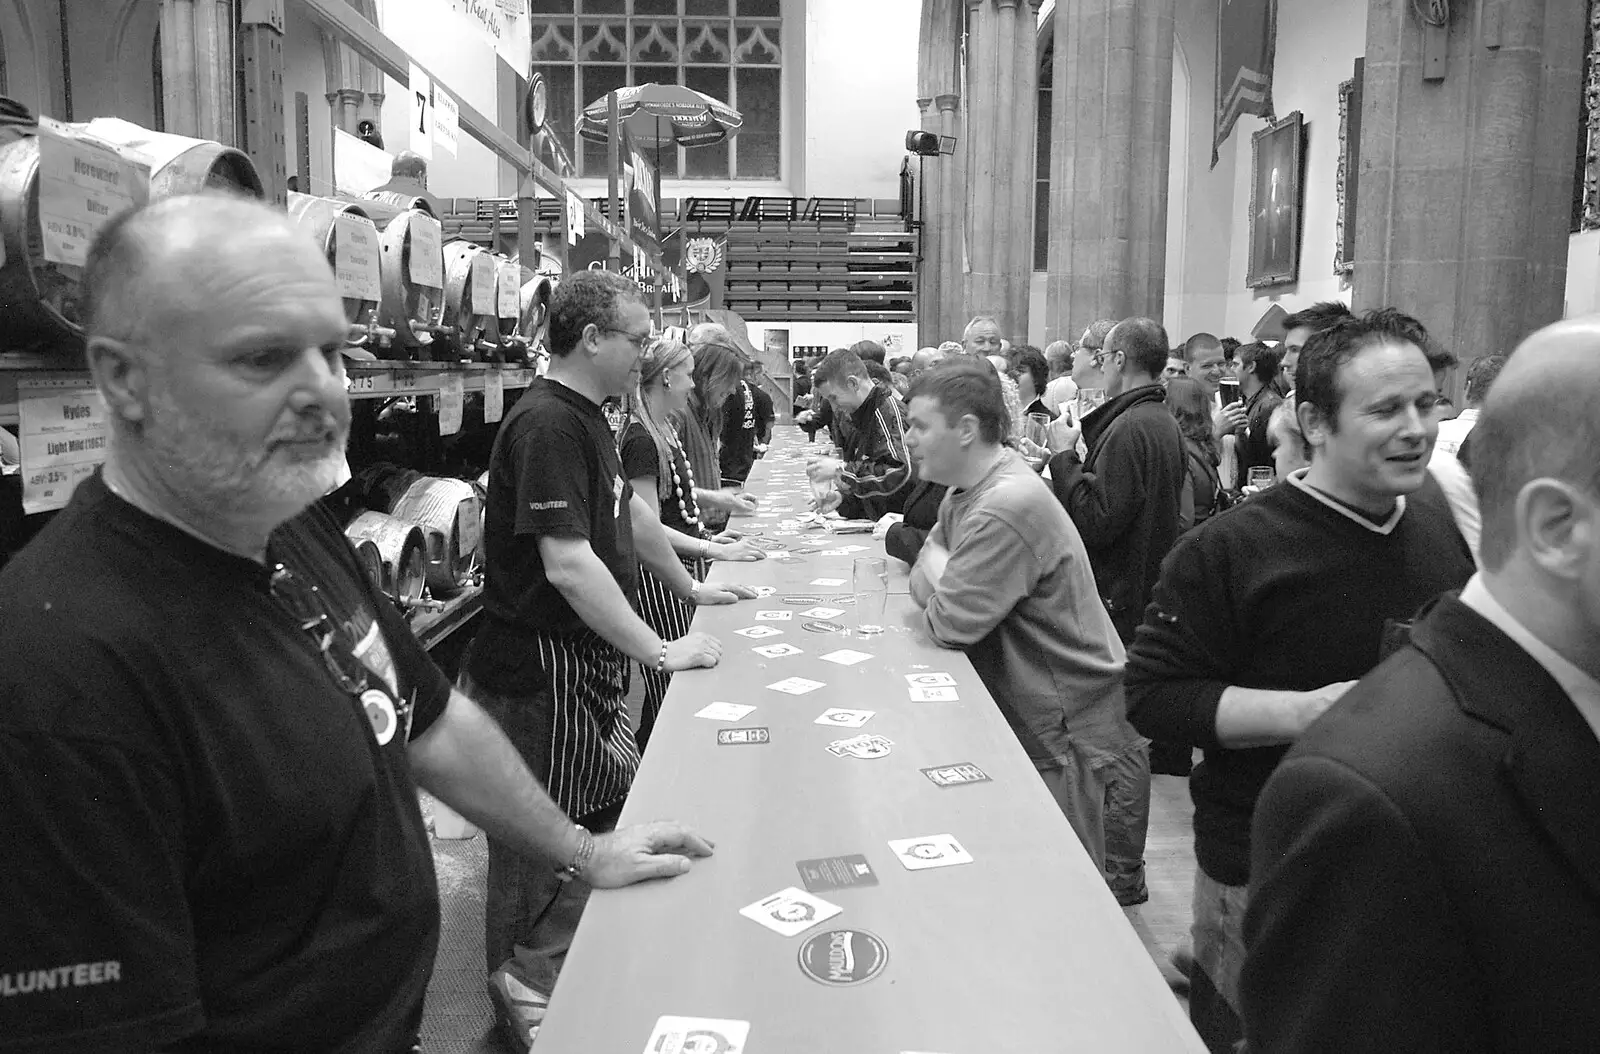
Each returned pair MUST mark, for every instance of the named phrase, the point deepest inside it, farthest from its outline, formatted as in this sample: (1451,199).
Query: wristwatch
(580,861)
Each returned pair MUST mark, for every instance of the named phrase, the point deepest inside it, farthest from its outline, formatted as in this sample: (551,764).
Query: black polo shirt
(211,845)
(641,459)
(746,421)
(554,471)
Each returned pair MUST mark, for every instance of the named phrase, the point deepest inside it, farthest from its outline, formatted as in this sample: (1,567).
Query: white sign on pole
(494,397)
(82,185)
(358,166)
(446,121)
(452,397)
(574,218)
(427,251)
(64,435)
(355,257)
(421,112)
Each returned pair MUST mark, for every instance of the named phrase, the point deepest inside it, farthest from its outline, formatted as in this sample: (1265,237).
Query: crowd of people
(1380,866)
(1378,627)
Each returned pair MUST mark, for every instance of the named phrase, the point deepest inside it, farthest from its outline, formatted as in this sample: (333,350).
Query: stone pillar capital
(974,5)
(1007,5)
(352,96)
(948,103)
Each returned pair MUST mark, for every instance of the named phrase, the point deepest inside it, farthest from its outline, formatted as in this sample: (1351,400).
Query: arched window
(731,50)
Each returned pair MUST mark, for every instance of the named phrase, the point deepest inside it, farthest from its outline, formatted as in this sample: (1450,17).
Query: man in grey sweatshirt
(1004,576)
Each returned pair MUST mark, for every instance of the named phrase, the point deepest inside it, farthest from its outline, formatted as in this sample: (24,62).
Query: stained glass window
(731,50)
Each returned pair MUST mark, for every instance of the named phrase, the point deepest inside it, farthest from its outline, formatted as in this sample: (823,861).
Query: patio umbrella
(658,115)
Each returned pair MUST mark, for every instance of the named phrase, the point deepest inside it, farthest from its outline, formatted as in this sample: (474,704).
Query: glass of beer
(871,582)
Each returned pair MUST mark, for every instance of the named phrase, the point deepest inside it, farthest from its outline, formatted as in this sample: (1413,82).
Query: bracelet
(580,861)
(661,660)
(694,592)
(705,548)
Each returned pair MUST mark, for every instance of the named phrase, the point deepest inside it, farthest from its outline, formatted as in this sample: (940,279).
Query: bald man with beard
(1426,860)
(212,725)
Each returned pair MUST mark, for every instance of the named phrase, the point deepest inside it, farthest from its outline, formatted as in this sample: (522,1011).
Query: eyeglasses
(638,341)
(306,604)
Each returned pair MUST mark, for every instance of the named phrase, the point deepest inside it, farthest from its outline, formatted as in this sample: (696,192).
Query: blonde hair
(659,357)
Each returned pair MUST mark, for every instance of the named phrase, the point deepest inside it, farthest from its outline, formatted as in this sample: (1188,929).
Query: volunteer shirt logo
(546,506)
(78,975)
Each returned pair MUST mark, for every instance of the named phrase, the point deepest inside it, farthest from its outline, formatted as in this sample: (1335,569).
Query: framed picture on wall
(1278,152)
(1344,250)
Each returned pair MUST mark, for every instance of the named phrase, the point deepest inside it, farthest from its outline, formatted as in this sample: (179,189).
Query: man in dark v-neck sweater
(1267,613)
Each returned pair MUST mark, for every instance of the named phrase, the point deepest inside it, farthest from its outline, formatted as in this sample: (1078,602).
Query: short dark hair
(1481,375)
(840,365)
(1529,433)
(963,387)
(869,351)
(587,298)
(1029,359)
(1318,316)
(1261,361)
(1144,342)
(1230,348)
(1316,379)
(1198,341)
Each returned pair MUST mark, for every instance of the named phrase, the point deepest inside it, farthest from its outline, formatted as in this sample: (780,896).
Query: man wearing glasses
(212,725)
(560,627)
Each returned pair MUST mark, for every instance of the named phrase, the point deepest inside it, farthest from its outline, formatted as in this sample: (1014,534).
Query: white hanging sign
(427,251)
(82,185)
(494,397)
(421,112)
(446,121)
(358,166)
(484,284)
(355,257)
(64,434)
(452,397)
(508,301)
(574,218)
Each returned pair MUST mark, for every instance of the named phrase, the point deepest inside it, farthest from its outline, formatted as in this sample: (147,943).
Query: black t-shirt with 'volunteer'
(211,845)
(554,471)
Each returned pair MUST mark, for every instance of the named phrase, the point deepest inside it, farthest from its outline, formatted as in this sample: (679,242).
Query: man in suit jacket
(1426,861)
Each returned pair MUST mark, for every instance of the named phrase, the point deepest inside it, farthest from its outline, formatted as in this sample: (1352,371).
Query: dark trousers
(530,915)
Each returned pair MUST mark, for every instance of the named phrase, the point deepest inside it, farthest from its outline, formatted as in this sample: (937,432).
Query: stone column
(939,280)
(197,66)
(1466,182)
(1001,102)
(1110,144)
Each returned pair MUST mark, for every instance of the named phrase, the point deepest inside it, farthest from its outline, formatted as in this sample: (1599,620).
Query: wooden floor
(458,1017)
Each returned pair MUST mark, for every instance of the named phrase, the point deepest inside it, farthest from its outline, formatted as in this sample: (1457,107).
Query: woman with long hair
(1189,402)
(718,368)
(661,473)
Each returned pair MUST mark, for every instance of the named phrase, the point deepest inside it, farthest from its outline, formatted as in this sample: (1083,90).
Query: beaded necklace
(683,486)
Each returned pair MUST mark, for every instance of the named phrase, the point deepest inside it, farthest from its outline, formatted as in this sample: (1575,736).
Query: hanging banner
(452,397)
(1246,42)
(446,121)
(358,166)
(421,113)
(503,23)
(82,185)
(63,436)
